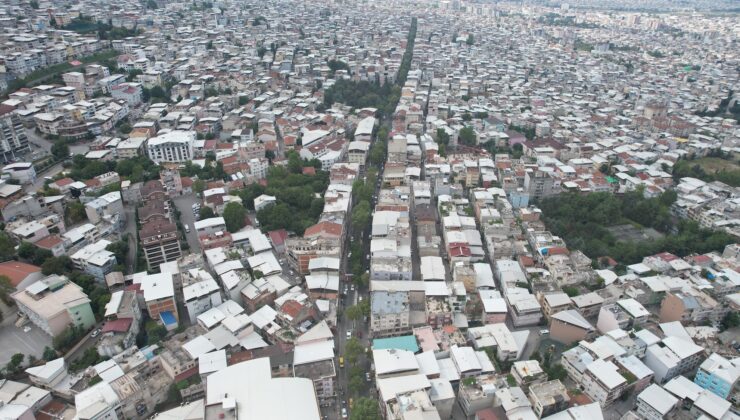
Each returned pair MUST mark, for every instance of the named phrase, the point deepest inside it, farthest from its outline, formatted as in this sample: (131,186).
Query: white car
(544,332)
(349,334)
(26,329)
(344,413)
(95,333)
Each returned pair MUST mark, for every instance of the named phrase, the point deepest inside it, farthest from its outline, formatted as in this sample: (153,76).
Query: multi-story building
(655,403)
(108,207)
(672,357)
(313,358)
(55,303)
(389,313)
(160,241)
(201,296)
(23,172)
(174,146)
(94,259)
(12,134)
(548,398)
(602,382)
(159,296)
(718,375)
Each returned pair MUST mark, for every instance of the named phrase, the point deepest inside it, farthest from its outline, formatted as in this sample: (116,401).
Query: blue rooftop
(168,318)
(406,342)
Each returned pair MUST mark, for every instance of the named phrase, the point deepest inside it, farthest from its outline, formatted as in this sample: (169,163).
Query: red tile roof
(17,271)
(117,325)
(49,242)
(324,229)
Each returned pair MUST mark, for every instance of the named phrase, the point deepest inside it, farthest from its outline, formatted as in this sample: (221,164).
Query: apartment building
(55,303)
(94,259)
(108,207)
(23,172)
(389,313)
(159,297)
(655,403)
(718,375)
(602,382)
(548,398)
(173,146)
(12,134)
(671,357)
(160,241)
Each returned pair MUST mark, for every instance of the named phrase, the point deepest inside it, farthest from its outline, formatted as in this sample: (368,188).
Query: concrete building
(672,357)
(160,241)
(655,403)
(23,172)
(602,382)
(389,313)
(569,326)
(108,207)
(55,303)
(95,260)
(12,134)
(174,146)
(718,374)
(159,296)
(548,398)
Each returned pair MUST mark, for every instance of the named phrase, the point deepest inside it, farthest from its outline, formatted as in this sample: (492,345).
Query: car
(544,332)
(344,413)
(367,376)
(95,333)
(349,333)
(360,298)
(187,228)
(352,287)
(26,328)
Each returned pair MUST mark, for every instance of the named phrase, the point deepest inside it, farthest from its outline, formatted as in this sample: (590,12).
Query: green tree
(57,265)
(361,216)
(470,40)
(354,313)
(365,409)
(49,354)
(206,212)
(377,153)
(199,186)
(467,136)
(295,164)
(234,217)
(76,212)
(26,250)
(60,150)
(731,320)
(353,349)
(15,363)
(151,4)
(6,288)
(34,4)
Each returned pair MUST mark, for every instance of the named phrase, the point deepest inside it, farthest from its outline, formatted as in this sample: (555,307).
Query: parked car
(95,333)
(349,334)
(344,413)
(544,332)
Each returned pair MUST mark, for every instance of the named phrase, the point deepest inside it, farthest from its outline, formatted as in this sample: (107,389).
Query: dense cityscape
(346,209)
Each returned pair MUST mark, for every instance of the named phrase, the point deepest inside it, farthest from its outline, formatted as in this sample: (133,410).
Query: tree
(34,4)
(377,153)
(354,313)
(199,186)
(49,354)
(14,364)
(151,4)
(468,136)
(57,265)
(365,409)
(352,350)
(76,212)
(120,249)
(295,164)
(557,371)
(234,217)
(361,216)
(206,212)
(731,320)
(60,150)
(356,383)
(26,250)
(470,40)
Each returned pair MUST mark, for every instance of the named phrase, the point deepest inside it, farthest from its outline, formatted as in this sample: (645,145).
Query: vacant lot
(632,233)
(714,164)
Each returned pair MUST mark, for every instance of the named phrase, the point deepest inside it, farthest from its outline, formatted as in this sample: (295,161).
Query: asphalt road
(184,204)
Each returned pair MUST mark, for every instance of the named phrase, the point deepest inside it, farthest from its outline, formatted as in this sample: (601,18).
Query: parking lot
(16,341)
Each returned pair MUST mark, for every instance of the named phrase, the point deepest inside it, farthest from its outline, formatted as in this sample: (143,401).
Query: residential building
(160,241)
(718,375)
(655,403)
(55,303)
(173,146)
(95,259)
(570,326)
(548,398)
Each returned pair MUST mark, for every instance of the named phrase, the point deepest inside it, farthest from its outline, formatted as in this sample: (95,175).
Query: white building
(654,403)
(174,146)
